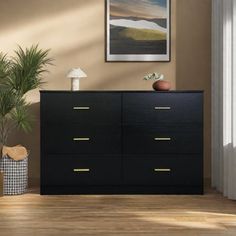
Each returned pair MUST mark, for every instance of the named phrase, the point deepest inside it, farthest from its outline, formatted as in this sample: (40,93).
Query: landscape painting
(138,30)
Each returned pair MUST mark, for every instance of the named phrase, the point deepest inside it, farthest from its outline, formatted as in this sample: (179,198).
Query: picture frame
(138,31)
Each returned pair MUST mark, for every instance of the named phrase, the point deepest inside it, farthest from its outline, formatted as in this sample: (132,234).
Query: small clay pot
(161,85)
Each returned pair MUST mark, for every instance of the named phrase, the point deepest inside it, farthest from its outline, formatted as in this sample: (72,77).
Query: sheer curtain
(224,96)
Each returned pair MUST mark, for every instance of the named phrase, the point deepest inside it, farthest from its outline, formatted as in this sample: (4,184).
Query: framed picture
(137,30)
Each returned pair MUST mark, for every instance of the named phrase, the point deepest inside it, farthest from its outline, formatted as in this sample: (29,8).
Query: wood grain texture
(32,214)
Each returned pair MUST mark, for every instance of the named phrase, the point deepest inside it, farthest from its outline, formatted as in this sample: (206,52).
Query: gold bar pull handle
(162,139)
(81,170)
(81,139)
(162,170)
(163,108)
(81,108)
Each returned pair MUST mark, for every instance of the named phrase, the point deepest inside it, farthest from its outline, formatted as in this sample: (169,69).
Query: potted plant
(160,84)
(18,75)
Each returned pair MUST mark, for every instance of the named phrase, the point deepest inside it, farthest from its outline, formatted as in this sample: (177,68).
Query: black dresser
(121,142)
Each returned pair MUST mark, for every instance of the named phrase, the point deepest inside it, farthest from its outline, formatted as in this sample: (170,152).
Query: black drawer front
(77,170)
(162,108)
(92,108)
(157,139)
(81,139)
(166,170)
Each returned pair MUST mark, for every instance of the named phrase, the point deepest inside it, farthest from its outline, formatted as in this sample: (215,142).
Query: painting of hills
(138,27)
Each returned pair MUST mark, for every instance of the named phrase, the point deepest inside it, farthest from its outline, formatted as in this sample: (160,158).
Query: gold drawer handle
(162,108)
(162,170)
(162,139)
(81,139)
(81,170)
(81,108)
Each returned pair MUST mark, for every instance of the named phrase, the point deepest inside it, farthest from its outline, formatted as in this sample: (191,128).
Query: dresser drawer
(162,107)
(81,108)
(147,139)
(75,138)
(77,170)
(166,170)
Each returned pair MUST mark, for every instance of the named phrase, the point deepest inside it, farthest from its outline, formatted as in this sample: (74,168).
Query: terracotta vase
(161,85)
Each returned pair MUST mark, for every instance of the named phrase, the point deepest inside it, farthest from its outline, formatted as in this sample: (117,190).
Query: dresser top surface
(121,91)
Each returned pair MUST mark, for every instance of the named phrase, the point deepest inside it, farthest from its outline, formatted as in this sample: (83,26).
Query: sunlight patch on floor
(190,220)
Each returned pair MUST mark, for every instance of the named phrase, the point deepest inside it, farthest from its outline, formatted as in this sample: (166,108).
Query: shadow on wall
(75,33)
(27,11)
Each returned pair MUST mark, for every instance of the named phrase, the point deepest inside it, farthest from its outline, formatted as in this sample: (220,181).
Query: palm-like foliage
(18,76)
(27,69)
(5,66)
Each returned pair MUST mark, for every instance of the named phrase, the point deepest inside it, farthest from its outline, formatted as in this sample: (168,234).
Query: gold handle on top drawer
(81,170)
(162,139)
(81,139)
(162,170)
(81,108)
(162,108)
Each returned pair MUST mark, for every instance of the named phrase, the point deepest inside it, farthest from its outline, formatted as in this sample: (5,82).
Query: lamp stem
(75,84)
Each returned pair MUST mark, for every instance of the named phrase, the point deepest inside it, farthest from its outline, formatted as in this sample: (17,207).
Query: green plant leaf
(23,120)
(27,69)
(8,101)
(5,67)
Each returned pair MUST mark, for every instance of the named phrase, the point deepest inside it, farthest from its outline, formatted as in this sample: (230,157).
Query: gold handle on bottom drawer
(81,108)
(162,108)
(81,170)
(162,170)
(162,139)
(81,139)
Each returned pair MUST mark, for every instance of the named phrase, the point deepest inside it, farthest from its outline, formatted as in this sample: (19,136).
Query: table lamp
(75,75)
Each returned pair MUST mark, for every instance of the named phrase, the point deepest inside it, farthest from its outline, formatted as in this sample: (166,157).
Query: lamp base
(75,84)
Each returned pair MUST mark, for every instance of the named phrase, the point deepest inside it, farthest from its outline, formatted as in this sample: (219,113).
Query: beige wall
(74,30)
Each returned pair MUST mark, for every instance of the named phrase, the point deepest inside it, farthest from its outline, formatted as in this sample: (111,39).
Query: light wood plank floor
(34,215)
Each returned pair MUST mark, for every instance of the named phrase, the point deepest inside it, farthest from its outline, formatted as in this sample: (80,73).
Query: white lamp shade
(76,73)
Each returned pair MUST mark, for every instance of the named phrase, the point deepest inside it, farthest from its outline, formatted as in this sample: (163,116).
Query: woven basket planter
(15,179)
(1,184)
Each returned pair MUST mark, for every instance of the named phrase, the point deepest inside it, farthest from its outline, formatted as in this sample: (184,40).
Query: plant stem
(4,132)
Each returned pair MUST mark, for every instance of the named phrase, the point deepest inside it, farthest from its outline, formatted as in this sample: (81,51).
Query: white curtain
(224,97)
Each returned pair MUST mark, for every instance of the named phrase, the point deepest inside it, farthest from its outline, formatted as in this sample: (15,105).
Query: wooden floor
(34,215)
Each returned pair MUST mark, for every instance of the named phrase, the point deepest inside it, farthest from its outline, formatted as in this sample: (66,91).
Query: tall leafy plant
(19,75)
